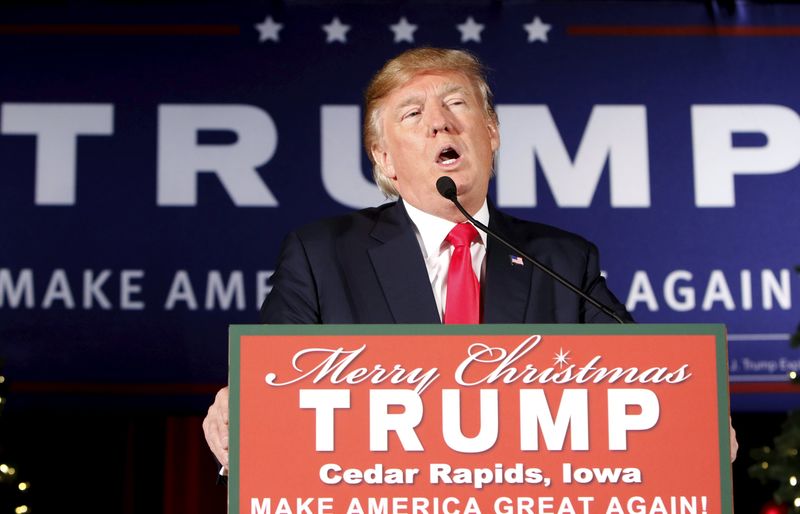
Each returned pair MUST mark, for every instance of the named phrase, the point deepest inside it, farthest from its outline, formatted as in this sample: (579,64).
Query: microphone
(447,188)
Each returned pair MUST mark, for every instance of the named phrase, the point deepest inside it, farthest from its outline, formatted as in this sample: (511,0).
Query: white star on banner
(403,30)
(561,358)
(336,31)
(537,30)
(470,30)
(268,30)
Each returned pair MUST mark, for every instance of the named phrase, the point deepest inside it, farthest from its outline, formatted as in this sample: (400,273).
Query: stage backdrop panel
(152,158)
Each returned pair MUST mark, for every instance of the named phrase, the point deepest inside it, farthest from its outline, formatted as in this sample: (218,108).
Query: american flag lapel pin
(516,260)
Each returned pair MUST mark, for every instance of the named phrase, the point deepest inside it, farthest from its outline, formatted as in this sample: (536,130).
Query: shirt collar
(431,230)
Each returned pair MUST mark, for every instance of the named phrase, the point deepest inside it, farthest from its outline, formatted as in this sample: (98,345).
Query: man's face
(435,125)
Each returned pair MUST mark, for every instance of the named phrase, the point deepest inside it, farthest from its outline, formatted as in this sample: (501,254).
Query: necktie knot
(462,234)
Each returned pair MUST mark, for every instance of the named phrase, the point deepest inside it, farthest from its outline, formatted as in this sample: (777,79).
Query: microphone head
(447,188)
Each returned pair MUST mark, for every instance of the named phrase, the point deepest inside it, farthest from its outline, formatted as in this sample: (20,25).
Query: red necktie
(463,289)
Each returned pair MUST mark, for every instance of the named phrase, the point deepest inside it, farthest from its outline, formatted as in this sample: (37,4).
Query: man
(428,114)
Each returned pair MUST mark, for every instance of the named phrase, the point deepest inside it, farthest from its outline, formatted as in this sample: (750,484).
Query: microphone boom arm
(447,188)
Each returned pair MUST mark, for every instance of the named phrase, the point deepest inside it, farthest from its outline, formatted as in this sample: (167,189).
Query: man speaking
(428,113)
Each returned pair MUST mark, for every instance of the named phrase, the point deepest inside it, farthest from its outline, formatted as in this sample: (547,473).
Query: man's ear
(384,161)
(494,135)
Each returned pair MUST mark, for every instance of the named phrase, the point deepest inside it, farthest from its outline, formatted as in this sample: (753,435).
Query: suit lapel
(401,270)
(508,283)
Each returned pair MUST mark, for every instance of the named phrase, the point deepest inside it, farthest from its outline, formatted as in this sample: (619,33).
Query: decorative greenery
(781,462)
(14,490)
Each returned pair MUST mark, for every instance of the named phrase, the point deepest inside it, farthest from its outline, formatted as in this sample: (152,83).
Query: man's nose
(438,121)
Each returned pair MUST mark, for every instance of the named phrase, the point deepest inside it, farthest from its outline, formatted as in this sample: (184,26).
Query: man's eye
(410,114)
(456,101)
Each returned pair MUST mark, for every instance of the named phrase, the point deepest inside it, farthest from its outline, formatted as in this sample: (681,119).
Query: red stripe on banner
(112,388)
(85,29)
(683,30)
(764,387)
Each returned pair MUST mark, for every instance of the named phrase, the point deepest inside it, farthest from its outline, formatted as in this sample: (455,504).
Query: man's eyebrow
(410,100)
(451,88)
(446,89)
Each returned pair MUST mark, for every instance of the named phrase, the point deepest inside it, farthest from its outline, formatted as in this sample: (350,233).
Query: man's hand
(215,427)
(734,443)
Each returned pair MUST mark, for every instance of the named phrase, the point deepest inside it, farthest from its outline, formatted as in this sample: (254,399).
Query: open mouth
(448,155)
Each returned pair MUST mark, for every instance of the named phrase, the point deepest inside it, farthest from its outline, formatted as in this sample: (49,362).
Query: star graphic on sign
(336,31)
(268,30)
(537,30)
(403,30)
(470,30)
(561,358)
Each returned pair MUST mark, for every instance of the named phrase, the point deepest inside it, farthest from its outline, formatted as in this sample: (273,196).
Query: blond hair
(398,71)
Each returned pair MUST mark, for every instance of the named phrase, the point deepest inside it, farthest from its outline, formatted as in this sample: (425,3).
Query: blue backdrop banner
(152,159)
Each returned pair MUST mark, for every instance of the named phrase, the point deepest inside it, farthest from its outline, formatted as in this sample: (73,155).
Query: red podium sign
(516,419)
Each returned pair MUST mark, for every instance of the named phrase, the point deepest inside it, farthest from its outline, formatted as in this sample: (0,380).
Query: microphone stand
(447,188)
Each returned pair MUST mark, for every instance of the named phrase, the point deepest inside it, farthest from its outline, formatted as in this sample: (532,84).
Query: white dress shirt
(431,233)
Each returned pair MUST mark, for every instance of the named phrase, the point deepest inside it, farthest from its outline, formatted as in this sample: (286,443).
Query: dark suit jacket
(367,267)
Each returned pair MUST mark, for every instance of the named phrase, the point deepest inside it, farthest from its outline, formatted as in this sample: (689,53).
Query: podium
(484,419)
